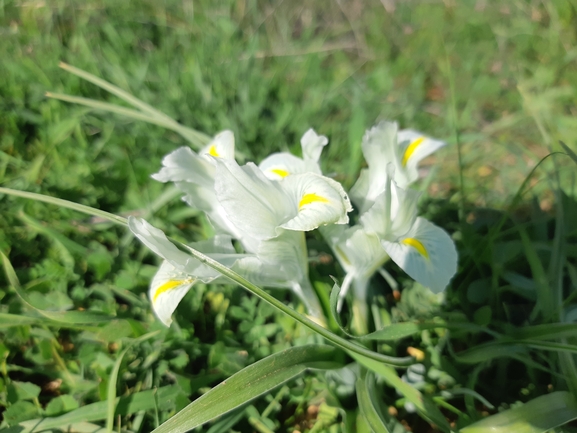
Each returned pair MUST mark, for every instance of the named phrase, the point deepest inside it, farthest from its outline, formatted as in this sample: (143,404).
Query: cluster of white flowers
(267,209)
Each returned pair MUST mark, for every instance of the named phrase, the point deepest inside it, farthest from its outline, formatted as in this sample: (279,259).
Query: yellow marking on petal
(412,242)
(212,151)
(312,198)
(169,285)
(411,149)
(280,172)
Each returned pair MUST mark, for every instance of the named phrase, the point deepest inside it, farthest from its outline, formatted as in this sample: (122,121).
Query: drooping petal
(312,145)
(427,253)
(280,165)
(317,201)
(167,289)
(252,202)
(159,244)
(218,247)
(222,146)
(183,165)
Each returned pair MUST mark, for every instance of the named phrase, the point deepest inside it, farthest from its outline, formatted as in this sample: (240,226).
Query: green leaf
(392,332)
(65,203)
(251,382)
(19,411)
(424,405)
(10,320)
(22,391)
(67,317)
(551,331)
(571,154)
(366,399)
(488,351)
(161,399)
(539,415)
(60,405)
(111,392)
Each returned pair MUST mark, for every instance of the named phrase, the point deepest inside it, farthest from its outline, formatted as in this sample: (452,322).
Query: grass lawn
(496,80)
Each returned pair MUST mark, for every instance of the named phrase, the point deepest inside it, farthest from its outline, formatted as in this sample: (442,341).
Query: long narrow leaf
(366,404)
(537,416)
(192,136)
(141,105)
(111,391)
(162,398)
(425,406)
(249,383)
(199,137)
(65,203)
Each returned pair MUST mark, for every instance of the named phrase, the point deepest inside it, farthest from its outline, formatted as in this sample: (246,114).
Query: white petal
(158,243)
(280,165)
(317,200)
(205,200)
(358,252)
(380,149)
(415,146)
(392,214)
(253,203)
(185,165)
(167,289)
(312,145)
(287,253)
(359,193)
(427,253)
(222,146)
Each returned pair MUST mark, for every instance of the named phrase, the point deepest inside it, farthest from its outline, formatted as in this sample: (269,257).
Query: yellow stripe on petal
(169,285)
(412,242)
(312,198)
(280,172)
(212,151)
(411,149)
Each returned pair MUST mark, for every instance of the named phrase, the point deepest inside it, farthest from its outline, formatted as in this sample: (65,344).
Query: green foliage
(495,79)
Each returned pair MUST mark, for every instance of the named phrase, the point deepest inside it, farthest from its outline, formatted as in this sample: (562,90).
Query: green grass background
(496,80)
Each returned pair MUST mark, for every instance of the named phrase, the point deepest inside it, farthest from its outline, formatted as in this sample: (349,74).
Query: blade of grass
(111,391)
(142,106)
(195,138)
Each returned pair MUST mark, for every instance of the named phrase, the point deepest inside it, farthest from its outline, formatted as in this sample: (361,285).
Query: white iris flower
(423,250)
(382,145)
(275,213)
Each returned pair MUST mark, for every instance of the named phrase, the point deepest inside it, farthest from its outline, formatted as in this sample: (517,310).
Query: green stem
(257,291)
(333,338)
